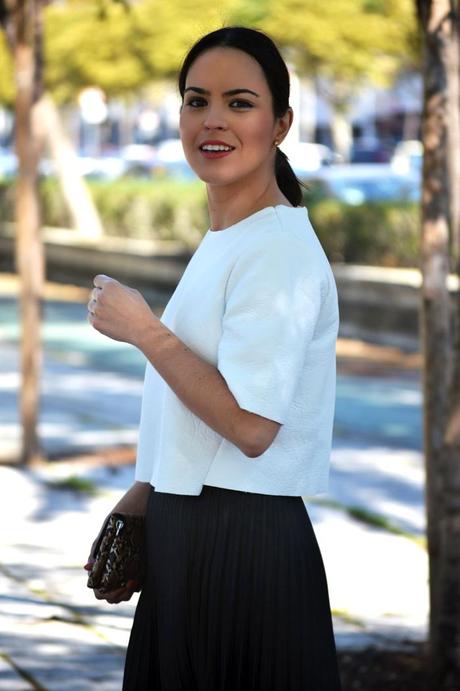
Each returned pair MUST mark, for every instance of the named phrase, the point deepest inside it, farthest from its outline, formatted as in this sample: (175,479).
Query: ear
(284,125)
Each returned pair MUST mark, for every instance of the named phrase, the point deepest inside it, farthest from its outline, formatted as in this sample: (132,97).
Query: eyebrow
(231,92)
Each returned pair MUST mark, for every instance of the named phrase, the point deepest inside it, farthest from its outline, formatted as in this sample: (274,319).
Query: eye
(242,104)
(194,101)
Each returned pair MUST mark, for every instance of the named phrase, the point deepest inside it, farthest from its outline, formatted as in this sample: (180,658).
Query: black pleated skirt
(235,599)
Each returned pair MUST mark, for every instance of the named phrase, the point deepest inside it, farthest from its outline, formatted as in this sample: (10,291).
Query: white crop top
(258,301)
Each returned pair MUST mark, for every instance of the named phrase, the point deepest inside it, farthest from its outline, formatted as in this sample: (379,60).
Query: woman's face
(227,100)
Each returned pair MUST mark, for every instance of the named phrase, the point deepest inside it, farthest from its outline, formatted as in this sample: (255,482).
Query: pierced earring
(275,143)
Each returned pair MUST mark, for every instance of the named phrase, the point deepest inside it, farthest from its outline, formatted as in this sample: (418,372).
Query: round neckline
(252,216)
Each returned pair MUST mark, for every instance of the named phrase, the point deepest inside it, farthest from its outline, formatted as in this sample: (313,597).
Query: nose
(214,119)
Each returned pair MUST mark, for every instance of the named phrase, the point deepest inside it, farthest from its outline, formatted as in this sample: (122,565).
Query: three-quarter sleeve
(273,299)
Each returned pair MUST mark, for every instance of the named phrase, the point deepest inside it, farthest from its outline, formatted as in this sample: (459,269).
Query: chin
(228,176)
(218,180)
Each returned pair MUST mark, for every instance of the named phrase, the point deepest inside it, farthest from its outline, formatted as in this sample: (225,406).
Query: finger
(91,306)
(101,280)
(125,596)
(110,595)
(99,596)
(121,594)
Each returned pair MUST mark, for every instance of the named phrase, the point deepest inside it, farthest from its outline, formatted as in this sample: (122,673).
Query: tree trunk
(342,135)
(441,359)
(447,670)
(47,125)
(26,22)
(453,132)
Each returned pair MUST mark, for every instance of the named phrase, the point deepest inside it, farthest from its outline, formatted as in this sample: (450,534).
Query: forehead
(226,68)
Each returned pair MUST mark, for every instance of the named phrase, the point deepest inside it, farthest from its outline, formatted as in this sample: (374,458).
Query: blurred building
(378,119)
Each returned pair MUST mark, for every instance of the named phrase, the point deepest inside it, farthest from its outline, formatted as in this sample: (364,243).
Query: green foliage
(250,12)
(159,210)
(81,49)
(345,41)
(382,234)
(156,210)
(122,45)
(76,483)
(7,89)
(370,518)
(118,50)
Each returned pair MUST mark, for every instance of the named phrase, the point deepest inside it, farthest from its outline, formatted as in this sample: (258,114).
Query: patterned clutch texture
(119,553)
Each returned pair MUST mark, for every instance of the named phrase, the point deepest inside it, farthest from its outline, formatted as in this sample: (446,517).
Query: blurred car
(176,170)
(408,157)
(139,160)
(356,184)
(92,167)
(169,161)
(169,151)
(370,154)
(305,157)
(166,159)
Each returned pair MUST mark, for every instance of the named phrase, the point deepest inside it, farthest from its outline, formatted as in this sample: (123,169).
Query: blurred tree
(107,63)
(119,51)
(440,23)
(122,51)
(22,22)
(347,43)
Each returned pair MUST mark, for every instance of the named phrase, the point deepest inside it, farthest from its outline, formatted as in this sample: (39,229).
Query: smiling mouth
(216,148)
(216,152)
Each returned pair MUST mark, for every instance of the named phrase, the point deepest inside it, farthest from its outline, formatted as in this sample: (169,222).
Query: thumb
(89,564)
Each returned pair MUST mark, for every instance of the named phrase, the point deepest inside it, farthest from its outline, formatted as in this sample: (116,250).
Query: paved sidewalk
(54,635)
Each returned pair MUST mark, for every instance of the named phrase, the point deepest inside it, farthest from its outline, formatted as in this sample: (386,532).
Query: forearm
(135,499)
(201,387)
(122,314)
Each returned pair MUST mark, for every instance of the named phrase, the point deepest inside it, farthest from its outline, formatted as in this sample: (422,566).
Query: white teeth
(216,147)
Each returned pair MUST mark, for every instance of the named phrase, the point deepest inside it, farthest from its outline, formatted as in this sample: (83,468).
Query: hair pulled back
(260,47)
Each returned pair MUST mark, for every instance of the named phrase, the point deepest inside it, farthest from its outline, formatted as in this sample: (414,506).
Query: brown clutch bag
(119,553)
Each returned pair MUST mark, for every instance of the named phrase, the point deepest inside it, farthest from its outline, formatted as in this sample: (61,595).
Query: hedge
(382,234)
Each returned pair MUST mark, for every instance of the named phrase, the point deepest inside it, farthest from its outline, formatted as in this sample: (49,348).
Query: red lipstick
(215,154)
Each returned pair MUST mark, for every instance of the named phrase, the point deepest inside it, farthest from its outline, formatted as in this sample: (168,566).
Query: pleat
(236,598)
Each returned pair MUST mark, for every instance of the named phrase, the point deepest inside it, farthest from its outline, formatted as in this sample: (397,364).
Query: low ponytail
(286,179)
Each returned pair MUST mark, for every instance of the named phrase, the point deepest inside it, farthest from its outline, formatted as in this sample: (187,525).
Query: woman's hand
(120,312)
(119,595)
(114,596)
(133,501)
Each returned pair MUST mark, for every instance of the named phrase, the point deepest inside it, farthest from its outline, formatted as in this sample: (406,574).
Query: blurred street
(54,635)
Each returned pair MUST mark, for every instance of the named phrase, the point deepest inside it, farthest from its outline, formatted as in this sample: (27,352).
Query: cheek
(260,133)
(182,128)
(185,127)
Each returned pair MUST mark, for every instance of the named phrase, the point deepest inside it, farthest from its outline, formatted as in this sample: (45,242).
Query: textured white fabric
(257,300)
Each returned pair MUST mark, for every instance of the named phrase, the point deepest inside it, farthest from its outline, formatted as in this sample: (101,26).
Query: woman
(238,403)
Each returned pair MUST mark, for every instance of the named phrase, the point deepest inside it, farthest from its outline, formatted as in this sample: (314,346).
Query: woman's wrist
(156,341)
(135,499)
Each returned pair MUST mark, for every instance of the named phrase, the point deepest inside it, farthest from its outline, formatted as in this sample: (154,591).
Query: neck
(228,205)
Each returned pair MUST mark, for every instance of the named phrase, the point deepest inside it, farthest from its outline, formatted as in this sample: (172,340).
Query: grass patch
(77,484)
(346,616)
(371,518)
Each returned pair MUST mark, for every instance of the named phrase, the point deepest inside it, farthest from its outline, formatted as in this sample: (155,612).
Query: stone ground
(55,636)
